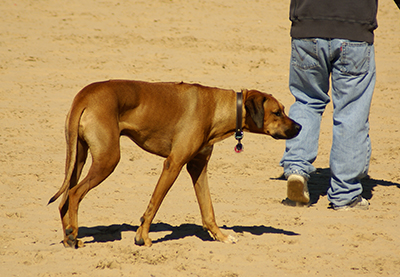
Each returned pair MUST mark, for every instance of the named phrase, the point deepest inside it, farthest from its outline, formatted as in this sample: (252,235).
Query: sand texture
(49,50)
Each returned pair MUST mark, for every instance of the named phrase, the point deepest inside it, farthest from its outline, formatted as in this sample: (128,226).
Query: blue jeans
(351,67)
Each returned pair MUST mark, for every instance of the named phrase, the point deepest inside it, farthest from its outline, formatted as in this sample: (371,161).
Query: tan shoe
(359,203)
(297,189)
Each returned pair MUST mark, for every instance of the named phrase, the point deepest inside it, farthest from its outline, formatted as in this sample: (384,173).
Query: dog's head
(265,115)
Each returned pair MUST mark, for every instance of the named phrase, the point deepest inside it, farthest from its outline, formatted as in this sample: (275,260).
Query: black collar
(239,118)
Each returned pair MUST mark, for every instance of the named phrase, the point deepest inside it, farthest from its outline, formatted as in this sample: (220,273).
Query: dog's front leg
(168,176)
(197,169)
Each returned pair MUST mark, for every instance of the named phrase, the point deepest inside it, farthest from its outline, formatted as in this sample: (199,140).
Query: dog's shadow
(319,183)
(114,232)
(318,186)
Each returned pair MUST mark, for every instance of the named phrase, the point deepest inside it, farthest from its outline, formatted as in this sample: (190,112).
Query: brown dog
(178,121)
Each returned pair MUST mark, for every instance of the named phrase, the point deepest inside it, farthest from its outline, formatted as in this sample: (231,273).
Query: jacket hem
(327,29)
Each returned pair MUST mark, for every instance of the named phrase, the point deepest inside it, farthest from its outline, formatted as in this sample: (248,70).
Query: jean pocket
(304,53)
(354,58)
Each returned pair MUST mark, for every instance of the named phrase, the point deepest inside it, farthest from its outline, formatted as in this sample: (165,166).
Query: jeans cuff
(298,172)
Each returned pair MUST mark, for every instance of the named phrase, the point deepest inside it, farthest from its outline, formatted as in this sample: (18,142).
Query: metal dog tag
(239,148)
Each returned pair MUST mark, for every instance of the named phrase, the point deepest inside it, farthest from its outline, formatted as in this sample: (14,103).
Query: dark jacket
(346,19)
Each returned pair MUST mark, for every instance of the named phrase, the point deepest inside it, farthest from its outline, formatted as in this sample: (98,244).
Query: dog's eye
(278,113)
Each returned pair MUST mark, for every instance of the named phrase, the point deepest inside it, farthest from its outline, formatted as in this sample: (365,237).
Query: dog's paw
(231,239)
(142,242)
(70,241)
(139,240)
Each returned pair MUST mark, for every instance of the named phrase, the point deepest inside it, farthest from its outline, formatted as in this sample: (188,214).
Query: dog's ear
(255,107)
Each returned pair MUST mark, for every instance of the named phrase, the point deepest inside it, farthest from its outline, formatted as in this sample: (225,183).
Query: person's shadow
(114,232)
(319,183)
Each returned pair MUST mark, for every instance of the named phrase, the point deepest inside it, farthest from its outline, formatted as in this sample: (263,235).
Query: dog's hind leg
(104,148)
(82,151)
(197,169)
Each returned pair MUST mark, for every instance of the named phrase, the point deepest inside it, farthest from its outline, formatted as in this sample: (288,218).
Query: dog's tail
(71,135)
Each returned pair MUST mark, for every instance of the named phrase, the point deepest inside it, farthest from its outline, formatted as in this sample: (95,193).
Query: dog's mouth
(297,129)
(288,134)
(279,136)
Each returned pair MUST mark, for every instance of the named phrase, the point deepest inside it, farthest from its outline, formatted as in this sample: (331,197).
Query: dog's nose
(298,127)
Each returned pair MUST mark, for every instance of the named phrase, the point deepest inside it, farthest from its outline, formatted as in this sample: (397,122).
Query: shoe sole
(347,208)
(295,190)
(290,203)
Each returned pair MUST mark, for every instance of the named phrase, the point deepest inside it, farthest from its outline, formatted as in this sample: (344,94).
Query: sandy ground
(49,50)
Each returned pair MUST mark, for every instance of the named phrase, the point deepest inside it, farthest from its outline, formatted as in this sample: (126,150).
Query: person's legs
(353,81)
(309,84)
